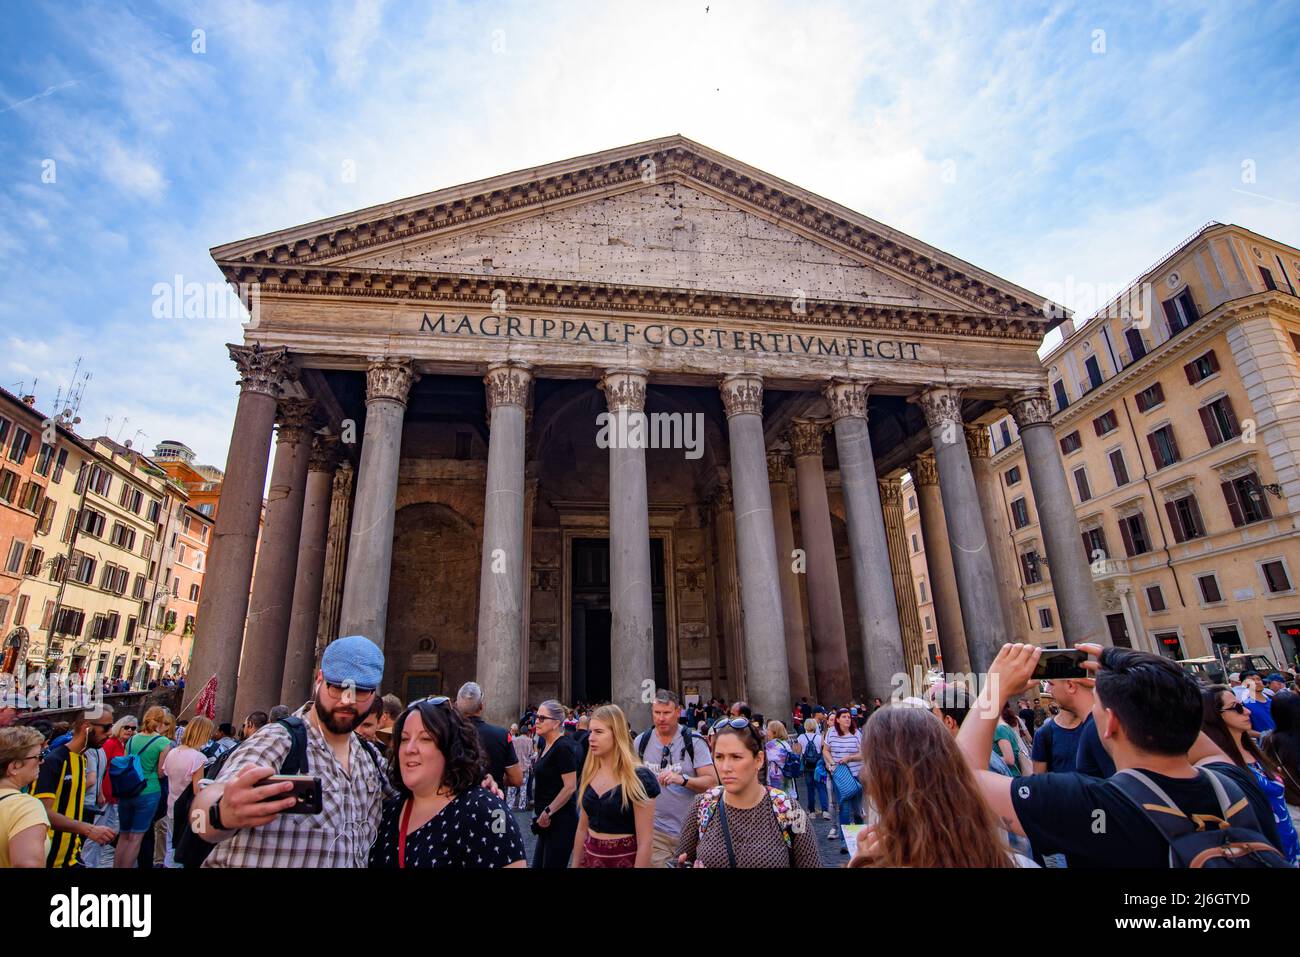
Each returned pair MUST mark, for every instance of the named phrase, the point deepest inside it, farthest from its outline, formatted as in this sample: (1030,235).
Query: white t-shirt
(813,741)
(842,745)
(179,766)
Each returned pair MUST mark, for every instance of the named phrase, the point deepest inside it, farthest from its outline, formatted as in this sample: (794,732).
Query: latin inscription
(660,335)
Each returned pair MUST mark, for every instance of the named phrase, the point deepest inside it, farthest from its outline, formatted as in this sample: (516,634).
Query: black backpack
(190,850)
(812,756)
(688,737)
(1235,841)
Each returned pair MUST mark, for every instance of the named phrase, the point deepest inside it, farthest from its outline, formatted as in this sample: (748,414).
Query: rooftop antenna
(125,420)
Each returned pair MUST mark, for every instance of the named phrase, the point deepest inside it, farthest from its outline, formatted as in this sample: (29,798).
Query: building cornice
(438,290)
(672,159)
(1165,355)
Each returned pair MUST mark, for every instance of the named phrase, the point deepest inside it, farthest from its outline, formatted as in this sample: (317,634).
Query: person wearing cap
(245,819)
(1274,683)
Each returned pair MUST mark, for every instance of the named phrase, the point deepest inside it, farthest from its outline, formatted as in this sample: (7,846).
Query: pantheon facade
(435,375)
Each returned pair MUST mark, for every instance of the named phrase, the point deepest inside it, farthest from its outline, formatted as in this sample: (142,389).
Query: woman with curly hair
(923,800)
(442,816)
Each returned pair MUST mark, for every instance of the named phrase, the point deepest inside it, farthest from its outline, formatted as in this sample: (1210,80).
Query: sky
(1064,147)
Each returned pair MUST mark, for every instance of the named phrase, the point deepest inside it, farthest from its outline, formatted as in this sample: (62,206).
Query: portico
(466,347)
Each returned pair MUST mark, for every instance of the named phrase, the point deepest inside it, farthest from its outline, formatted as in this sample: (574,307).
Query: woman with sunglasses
(555,776)
(24,822)
(1226,721)
(442,817)
(744,823)
(616,825)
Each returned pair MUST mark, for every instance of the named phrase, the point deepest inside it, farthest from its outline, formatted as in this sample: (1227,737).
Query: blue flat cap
(354,660)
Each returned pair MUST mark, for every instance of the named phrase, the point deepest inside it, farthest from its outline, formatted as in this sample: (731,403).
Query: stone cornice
(673,159)
(460,290)
(1168,353)
(1165,357)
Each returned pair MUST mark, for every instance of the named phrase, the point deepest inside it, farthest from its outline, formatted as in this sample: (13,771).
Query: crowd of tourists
(1012,772)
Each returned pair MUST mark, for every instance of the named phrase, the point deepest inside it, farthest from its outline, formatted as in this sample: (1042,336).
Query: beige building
(101,563)
(922,581)
(191,536)
(1177,414)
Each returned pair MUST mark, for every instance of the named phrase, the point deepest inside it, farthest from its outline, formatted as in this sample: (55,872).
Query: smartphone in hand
(306,789)
(1059,663)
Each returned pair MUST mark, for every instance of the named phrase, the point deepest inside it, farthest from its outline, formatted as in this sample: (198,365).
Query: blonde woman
(136,814)
(616,826)
(183,767)
(24,822)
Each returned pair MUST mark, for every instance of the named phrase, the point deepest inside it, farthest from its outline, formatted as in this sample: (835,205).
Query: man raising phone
(1148,712)
(246,819)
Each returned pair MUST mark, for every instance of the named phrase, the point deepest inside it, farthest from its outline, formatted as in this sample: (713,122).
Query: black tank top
(605,812)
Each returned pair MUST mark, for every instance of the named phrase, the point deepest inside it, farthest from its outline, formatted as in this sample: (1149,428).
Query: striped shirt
(842,745)
(340,836)
(62,779)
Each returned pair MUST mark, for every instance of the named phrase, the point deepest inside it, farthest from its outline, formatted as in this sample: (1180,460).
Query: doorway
(1119,636)
(591,619)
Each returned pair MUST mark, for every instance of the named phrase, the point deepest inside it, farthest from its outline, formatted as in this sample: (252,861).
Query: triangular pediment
(669,214)
(666,235)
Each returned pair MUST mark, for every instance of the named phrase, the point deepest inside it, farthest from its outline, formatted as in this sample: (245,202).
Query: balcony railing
(1109,568)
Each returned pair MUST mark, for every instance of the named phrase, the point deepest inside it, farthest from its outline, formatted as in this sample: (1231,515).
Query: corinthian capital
(295,419)
(941,406)
(1031,407)
(389,378)
(324,453)
(891,492)
(742,393)
(778,466)
(977,441)
(624,389)
(264,371)
(924,471)
(847,398)
(343,481)
(508,383)
(805,437)
(720,500)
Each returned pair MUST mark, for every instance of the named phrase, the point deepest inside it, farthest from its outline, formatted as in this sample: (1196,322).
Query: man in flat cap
(245,819)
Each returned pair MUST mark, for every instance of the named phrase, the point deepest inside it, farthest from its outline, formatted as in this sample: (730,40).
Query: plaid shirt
(340,836)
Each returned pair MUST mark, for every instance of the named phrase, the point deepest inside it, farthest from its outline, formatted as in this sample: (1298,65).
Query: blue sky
(1063,147)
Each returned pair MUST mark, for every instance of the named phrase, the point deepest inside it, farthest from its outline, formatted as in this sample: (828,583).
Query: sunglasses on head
(736,723)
